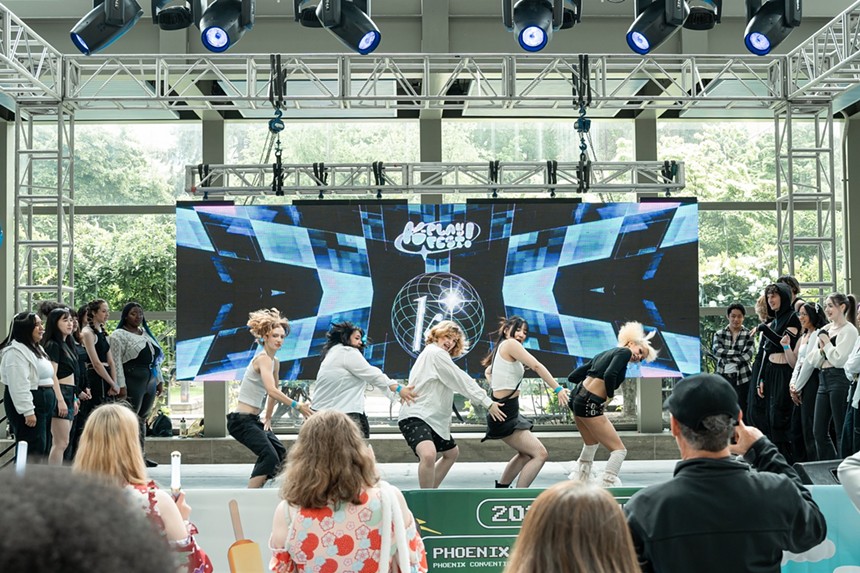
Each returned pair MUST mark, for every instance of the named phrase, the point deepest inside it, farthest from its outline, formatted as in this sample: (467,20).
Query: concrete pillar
(645,130)
(7,221)
(851,202)
(434,40)
(649,397)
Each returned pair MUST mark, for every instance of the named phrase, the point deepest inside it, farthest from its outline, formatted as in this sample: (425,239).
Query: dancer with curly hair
(595,384)
(259,385)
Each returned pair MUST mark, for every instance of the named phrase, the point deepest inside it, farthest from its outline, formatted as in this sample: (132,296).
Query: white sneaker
(581,472)
(610,480)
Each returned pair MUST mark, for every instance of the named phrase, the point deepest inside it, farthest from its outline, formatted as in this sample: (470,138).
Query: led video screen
(574,271)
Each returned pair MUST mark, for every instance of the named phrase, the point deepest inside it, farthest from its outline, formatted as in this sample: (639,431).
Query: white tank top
(506,375)
(45,372)
(252,391)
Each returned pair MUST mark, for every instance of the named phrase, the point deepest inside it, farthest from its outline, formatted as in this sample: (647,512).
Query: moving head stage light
(224,22)
(533,21)
(769,23)
(347,20)
(656,21)
(105,24)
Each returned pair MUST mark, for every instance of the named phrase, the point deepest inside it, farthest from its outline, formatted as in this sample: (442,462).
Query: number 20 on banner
(503,513)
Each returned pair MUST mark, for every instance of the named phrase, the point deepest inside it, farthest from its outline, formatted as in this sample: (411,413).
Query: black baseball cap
(699,396)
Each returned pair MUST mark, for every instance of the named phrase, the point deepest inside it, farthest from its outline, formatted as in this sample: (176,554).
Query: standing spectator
(733,348)
(83,390)
(756,412)
(101,369)
(595,383)
(835,342)
(574,527)
(849,477)
(426,423)
(58,345)
(506,364)
(794,286)
(344,375)
(336,515)
(139,355)
(851,427)
(29,378)
(716,515)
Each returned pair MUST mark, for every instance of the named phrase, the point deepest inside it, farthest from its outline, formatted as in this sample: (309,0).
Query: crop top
(609,366)
(65,358)
(506,375)
(252,391)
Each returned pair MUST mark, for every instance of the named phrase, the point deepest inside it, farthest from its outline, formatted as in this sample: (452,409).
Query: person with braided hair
(595,384)
(259,385)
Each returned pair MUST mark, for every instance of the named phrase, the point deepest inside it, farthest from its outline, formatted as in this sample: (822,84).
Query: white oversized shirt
(435,378)
(343,376)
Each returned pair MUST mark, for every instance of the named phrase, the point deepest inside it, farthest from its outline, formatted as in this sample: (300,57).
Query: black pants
(806,415)
(779,406)
(248,430)
(140,386)
(44,402)
(831,404)
(851,432)
(99,391)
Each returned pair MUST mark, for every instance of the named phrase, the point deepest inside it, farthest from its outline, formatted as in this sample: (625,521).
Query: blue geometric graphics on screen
(586,337)
(190,231)
(343,292)
(684,227)
(339,252)
(190,355)
(284,244)
(533,251)
(373,224)
(532,290)
(686,351)
(590,241)
(430,298)
(297,344)
(501,223)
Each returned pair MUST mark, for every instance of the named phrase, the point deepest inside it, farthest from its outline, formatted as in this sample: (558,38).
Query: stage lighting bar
(769,23)
(224,22)
(347,20)
(656,21)
(533,21)
(104,24)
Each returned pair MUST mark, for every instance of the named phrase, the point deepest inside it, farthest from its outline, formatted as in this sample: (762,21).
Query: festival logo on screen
(432,238)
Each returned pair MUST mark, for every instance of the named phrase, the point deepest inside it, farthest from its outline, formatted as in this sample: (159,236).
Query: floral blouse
(344,538)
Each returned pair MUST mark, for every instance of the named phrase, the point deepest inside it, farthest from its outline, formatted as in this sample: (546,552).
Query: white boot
(582,472)
(609,479)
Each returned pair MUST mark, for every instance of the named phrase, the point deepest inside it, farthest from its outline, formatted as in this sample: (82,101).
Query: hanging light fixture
(656,21)
(533,21)
(104,24)
(224,22)
(769,23)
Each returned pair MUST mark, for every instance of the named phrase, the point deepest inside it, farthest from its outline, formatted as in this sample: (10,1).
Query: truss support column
(645,129)
(851,201)
(44,204)
(7,225)
(806,196)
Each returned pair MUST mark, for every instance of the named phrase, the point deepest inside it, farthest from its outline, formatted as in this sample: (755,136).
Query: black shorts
(362,423)
(585,404)
(416,430)
(68,391)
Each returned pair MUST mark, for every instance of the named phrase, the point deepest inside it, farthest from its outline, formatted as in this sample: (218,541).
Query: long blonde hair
(452,329)
(328,464)
(574,527)
(110,446)
(634,332)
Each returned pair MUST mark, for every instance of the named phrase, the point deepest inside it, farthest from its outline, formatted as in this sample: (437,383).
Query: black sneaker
(149,463)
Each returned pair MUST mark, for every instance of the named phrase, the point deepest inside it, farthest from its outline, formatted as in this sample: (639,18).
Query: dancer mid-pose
(596,381)
(426,423)
(258,383)
(344,375)
(506,365)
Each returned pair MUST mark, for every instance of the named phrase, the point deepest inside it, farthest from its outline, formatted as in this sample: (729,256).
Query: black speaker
(818,473)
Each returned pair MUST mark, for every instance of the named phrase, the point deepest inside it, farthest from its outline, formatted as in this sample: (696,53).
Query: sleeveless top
(102,345)
(252,391)
(45,371)
(506,375)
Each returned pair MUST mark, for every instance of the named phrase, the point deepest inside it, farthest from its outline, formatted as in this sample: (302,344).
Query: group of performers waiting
(425,413)
(799,384)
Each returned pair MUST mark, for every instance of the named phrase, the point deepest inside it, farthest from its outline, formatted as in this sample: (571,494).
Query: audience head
(46,306)
(632,334)
(129,306)
(814,314)
(55,520)
(846,303)
(448,328)
(53,329)
(792,284)
(97,313)
(705,408)
(343,333)
(761,308)
(81,317)
(329,463)
(26,328)
(574,526)
(109,445)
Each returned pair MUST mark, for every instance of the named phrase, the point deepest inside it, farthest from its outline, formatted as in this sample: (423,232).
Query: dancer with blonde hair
(595,384)
(259,385)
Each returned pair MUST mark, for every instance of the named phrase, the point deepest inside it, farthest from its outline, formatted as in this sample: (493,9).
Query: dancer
(60,349)
(269,328)
(426,423)
(505,368)
(344,374)
(596,381)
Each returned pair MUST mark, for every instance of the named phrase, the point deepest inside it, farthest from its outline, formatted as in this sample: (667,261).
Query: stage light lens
(758,43)
(80,44)
(638,42)
(216,39)
(532,38)
(369,42)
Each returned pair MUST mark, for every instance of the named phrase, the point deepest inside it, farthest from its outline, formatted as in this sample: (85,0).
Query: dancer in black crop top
(58,345)
(595,383)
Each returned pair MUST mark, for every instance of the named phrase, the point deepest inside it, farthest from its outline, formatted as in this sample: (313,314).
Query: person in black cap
(717,514)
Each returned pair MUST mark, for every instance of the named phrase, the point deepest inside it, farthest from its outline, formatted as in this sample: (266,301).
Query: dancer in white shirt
(344,375)
(506,365)
(426,423)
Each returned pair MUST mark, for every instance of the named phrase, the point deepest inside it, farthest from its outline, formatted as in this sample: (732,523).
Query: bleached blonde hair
(634,332)
(452,329)
(263,321)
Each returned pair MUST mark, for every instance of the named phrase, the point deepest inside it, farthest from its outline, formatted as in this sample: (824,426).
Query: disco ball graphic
(429,299)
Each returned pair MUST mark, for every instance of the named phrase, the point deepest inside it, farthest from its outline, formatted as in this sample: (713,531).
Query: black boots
(502,485)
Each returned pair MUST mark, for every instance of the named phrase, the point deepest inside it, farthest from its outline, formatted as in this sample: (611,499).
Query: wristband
(294,405)
(398,389)
(786,347)
(558,389)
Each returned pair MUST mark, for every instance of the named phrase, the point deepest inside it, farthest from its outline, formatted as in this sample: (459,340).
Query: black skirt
(513,422)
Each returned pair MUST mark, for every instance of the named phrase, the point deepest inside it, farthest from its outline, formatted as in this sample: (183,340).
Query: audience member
(336,515)
(851,427)
(849,477)
(574,527)
(716,515)
(56,521)
(733,348)
(109,448)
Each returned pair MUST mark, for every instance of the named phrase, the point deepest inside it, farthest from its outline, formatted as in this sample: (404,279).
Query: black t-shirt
(65,357)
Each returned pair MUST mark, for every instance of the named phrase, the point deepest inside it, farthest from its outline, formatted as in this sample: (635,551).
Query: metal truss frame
(30,69)
(409,178)
(44,169)
(805,177)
